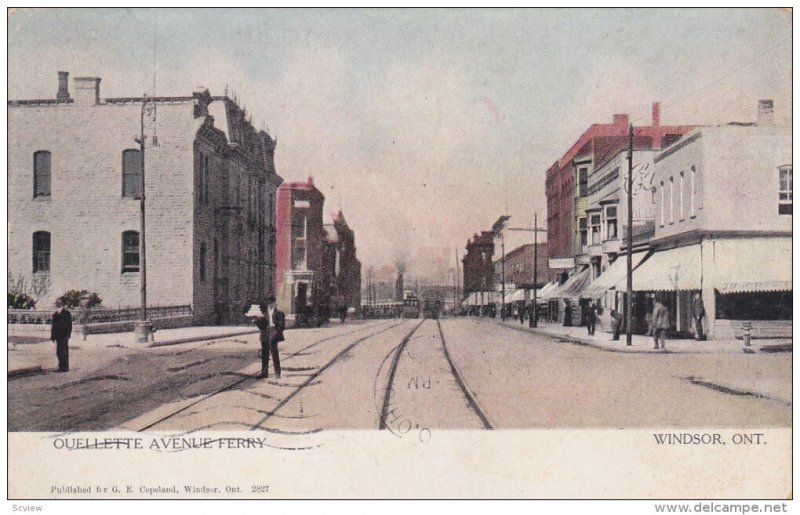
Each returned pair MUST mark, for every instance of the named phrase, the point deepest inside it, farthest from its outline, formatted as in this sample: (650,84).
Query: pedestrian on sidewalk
(591,317)
(660,324)
(521,313)
(567,313)
(698,313)
(616,323)
(60,332)
(278,326)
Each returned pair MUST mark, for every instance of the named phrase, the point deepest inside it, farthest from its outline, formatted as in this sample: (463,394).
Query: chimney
(656,126)
(621,120)
(63,86)
(87,91)
(766,114)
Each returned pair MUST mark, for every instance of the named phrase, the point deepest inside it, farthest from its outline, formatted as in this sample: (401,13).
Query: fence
(99,315)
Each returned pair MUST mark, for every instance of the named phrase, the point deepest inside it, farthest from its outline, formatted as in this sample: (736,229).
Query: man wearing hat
(271,336)
(60,332)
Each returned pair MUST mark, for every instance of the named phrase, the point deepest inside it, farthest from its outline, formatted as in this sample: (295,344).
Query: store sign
(562,262)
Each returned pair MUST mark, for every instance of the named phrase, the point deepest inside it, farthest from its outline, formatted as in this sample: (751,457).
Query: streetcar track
(473,402)
(336,358)
(392,371)
(252,376)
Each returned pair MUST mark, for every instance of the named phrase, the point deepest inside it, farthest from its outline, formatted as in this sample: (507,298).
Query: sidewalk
(32,358)
(774,385)
(645,344)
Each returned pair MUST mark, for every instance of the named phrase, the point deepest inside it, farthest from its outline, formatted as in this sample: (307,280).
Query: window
(583,182)
(203,180)
(41,174)
(785,190)
(671,200)
(41,252)
(299,225)
(595,222)
(611,222)
(662,203)
(132,174)
(206,173)
(272,208)
(692,184)
(203,261)
(583,233)
(680,197)
(130,251)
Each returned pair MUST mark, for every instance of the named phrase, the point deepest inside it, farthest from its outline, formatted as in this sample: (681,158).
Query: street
(399,375)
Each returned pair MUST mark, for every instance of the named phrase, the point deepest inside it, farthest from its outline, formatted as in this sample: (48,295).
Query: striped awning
(572,288)
(615,273)
(753,265)
(547,292)
(667,270)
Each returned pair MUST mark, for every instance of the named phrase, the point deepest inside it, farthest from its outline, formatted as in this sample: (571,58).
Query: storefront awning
(547,292)
(753,265)
(667,270)
(478,299)
(616,272)
(517,296)
(573,286)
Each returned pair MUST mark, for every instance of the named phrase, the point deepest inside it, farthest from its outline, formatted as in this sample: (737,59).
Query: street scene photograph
(402,225)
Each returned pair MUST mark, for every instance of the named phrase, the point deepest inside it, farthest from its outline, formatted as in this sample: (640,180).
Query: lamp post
(143,328)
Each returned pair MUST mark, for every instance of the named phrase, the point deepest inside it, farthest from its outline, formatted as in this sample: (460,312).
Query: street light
(143,328)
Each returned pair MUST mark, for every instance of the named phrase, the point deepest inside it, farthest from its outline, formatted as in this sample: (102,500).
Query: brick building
(567,180)
(478,268)
(299,244)
(519,266)
(74,189)
(342,267)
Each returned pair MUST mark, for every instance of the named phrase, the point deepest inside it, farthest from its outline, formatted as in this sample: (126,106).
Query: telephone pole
(629,300)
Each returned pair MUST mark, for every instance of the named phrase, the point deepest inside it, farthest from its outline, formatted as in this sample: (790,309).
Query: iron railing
(99,315)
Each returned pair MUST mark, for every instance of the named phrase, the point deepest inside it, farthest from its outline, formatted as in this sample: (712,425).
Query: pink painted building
(298,245)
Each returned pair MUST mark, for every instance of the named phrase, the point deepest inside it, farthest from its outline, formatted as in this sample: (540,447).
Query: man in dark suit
(278,326)
(262,322)
(60,333)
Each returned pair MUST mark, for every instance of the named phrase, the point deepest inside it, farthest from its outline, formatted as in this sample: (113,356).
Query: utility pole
(629,301)
(455,288)
(533,322)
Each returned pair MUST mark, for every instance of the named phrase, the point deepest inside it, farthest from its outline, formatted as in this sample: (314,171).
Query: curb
(589,343)
(190,339)
(25,371)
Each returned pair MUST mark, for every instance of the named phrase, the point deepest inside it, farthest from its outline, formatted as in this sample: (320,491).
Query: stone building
(478,267)
(342,267)
(74,189)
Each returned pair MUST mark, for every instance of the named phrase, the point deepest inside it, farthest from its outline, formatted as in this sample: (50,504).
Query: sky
(423,126)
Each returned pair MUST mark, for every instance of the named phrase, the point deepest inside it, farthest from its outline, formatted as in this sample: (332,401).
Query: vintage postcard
(400,254)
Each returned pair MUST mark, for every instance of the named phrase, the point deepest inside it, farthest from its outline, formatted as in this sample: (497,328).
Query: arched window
(130,251)
(203,261)
(41,252)
(131,173)
(41,173)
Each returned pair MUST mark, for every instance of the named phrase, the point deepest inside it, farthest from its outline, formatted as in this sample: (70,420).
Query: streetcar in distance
(432,304)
